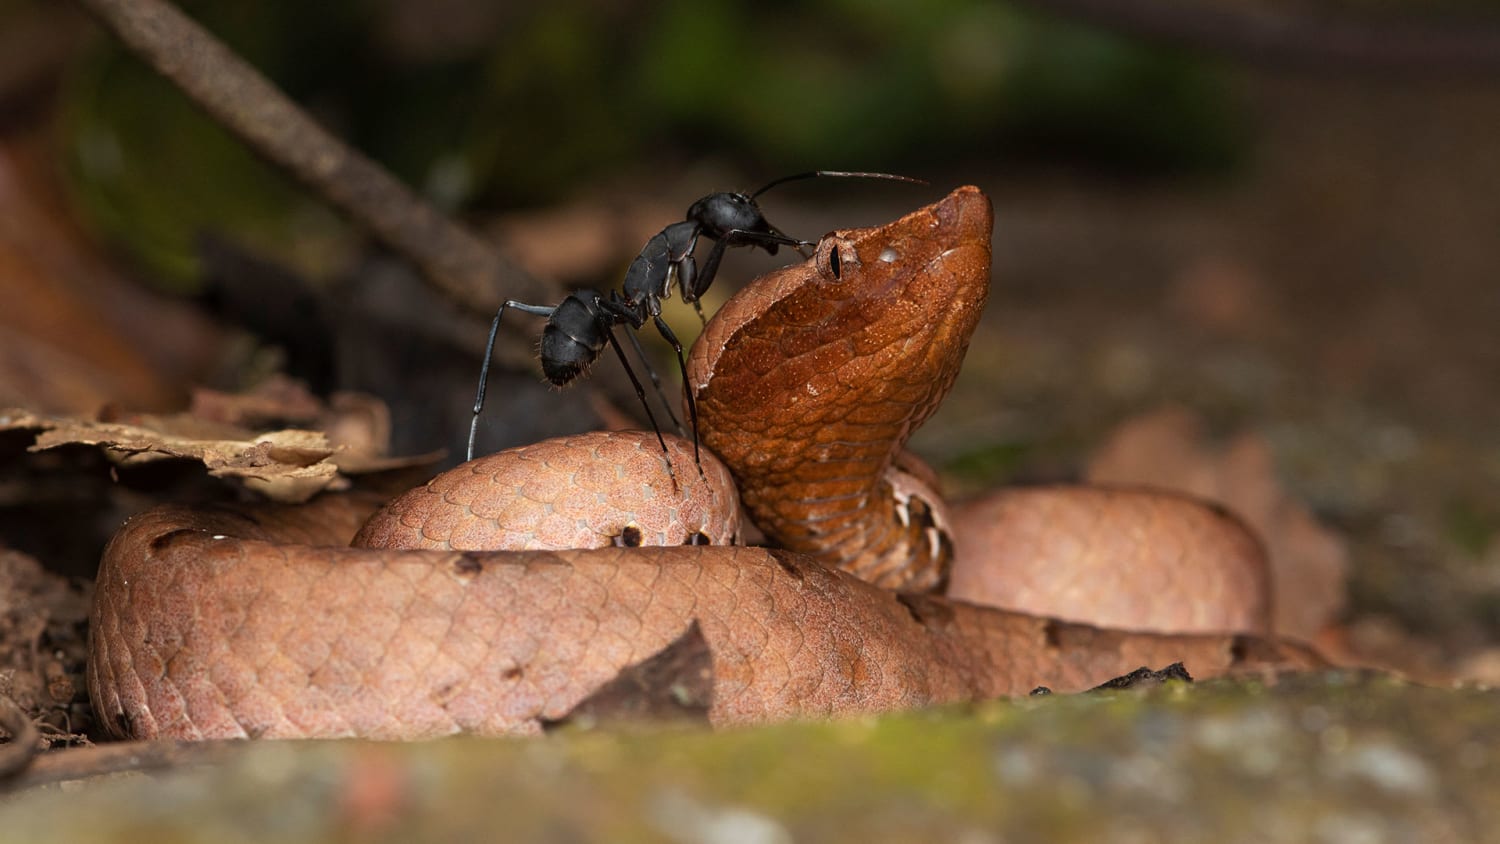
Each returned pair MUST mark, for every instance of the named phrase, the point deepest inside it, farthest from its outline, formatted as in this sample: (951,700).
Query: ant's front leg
(686,273)
(740,237)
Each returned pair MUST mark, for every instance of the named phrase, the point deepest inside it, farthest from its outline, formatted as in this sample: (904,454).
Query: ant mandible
(579,327)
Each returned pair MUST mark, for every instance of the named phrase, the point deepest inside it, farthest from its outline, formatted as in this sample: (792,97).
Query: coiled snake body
(261,622)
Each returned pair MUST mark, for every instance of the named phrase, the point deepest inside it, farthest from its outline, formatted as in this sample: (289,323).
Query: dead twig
(86,762)
(25,741)
(453,258)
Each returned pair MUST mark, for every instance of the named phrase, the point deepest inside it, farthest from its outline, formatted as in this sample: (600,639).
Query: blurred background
(1291,229)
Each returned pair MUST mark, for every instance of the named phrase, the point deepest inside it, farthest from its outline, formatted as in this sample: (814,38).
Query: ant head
(719,213)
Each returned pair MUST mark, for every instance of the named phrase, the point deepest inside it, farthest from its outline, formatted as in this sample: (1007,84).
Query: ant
(579,327)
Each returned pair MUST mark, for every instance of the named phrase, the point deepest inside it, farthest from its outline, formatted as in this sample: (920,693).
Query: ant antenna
(841,174)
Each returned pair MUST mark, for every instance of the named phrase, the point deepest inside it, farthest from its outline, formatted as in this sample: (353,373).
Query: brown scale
(855,349)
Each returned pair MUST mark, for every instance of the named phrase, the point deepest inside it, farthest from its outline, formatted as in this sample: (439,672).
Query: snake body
(261,622)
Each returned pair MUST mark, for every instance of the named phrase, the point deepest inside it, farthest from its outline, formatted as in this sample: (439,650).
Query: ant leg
(685,271)
(489,351)
(687,390)
(640,393)
(618,313)
(640,354)
(741,237)
(774,236)
(799,245)
(705,276)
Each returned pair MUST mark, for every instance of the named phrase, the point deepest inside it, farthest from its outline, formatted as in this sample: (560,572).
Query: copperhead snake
(263,622)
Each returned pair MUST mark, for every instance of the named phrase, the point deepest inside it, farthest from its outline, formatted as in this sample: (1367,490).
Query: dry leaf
(358,426)
(278,400)
(288,465)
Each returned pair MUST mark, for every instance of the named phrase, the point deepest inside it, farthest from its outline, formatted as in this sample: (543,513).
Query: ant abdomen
(571,341)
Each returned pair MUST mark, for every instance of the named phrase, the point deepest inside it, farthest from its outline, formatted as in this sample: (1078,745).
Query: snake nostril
(697,538)
(630,537)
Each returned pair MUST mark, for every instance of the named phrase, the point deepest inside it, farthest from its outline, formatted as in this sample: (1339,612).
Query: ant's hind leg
(687,389)
(640,354)
(640,393)
(489,352)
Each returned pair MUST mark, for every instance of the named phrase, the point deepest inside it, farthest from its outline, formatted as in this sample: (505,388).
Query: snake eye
(836,254)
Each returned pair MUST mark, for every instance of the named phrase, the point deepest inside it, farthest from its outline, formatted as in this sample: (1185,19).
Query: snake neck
(893,533)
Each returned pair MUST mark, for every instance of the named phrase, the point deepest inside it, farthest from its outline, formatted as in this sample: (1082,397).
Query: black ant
(579,327)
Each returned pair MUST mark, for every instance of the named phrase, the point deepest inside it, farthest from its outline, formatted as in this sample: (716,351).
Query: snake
(520,589)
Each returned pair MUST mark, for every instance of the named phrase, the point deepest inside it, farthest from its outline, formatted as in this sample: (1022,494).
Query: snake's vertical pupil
(833,261)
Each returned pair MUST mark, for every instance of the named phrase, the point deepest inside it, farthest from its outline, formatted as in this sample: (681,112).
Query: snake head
(920,280)
(812,378)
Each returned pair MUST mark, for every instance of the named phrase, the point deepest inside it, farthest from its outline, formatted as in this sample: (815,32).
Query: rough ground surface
(42,622)
(1341,758)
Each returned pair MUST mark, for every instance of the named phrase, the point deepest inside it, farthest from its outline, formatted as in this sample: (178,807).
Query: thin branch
(459,263)
(82,763)
(1279,36)
(25,740)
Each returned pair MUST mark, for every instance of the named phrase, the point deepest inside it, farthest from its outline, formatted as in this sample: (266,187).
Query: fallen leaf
(287,465)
